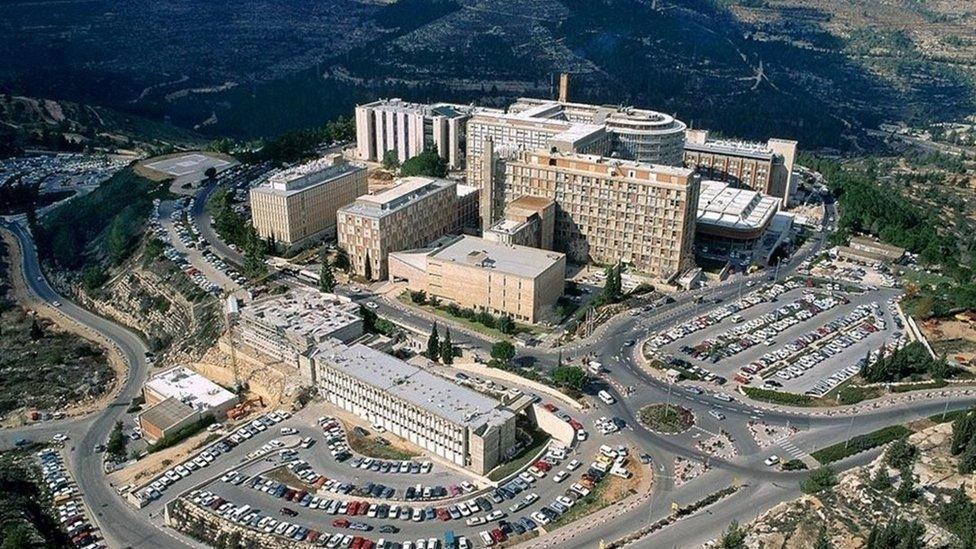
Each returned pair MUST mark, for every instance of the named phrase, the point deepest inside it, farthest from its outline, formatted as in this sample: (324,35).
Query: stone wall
(201,524)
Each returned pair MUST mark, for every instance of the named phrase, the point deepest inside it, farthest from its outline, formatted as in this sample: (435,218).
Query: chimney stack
(564,87)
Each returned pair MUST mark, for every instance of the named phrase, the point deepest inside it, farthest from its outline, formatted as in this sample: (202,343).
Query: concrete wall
(552,424)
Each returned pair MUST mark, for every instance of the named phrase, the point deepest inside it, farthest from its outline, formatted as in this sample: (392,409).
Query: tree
(36,332)
(210,172)
(900,454)
(116,443)
(899,534)
(341,260)
(963,429)
(734,537)
(368,269)
(823,542)
(433,344)
(569,376)
(906,488)
(881,481)
(428,163)
(818,481)
(447,348)
(613,287)
(506,325)
(327,280)
(390,160)
(967,462)
(503,351)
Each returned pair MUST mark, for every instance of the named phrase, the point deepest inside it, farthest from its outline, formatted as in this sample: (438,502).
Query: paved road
(122,526)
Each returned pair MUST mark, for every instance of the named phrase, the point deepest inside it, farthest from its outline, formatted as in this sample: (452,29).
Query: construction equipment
(245,407)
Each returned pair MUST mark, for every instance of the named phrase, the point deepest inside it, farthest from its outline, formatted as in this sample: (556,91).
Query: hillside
(27,122)
(813,70)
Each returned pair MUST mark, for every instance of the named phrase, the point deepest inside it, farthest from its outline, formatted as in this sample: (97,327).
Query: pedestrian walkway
(796,453)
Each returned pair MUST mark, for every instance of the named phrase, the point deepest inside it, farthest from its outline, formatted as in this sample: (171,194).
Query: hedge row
(860,444)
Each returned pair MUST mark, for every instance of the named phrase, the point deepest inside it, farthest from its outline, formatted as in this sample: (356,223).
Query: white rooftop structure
(407,191)
(317,172)
(523,261)
(722,205)
(190,388)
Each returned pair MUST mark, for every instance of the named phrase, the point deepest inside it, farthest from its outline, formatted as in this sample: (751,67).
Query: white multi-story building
(456,423)
(411,128)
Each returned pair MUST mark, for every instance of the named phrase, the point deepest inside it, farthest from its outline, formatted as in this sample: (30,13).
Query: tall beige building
(299,205)
(611,210)
(763,167)
(478,274)
(415,212)
(529,221)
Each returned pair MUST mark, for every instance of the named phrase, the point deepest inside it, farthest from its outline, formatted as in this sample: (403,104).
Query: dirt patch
(24,298)
(954,338)
(155,463)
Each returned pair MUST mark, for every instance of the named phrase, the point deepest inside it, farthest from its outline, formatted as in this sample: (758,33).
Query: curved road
(120,524)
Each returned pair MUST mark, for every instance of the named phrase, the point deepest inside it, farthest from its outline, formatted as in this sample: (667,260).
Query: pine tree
(906,489)
(734,537)
(36,332)
(368,271)
(967,462)
(327,279)
(823,542)
(962,432)
(881,481)
(447,348)
(433,344)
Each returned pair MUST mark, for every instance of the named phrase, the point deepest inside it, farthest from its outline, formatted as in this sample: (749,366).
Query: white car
(560,476)
(573,465)
(771,460)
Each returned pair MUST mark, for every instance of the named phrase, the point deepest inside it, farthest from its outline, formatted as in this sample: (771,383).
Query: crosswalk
(796,453)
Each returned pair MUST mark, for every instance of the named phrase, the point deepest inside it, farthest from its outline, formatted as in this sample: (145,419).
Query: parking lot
(790,337)
(171,224)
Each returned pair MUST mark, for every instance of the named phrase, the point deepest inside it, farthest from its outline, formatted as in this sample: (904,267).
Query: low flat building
(299,205)
(479,274)
(529,221)
(731,221)
(286,327)
(453,422)
(763,167)
(415,212)
(867,250)
(178,397)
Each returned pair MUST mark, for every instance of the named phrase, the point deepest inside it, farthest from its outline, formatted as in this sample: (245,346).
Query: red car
(498,535)
(340,523)
(363,508)
(443,514)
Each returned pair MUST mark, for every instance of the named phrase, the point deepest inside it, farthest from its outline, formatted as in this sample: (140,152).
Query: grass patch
(860,443)
(467,323)
(918,386)
(778,397)
(794,465)
(539,439)
(371,447)
(950,416)
(666,419)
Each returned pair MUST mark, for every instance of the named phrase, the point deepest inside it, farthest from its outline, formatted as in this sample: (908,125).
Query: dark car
(288,512)
(389,529)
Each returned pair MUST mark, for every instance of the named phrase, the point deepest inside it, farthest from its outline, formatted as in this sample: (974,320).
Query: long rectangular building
(763,167)
(611,210)
(415,212)
(475,273)
(456,423)
(299,205)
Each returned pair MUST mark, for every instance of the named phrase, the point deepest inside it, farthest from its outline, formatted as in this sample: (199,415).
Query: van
(606,397)
(595,368)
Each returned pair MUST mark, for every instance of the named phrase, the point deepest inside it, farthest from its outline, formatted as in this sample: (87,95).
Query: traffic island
(668,419)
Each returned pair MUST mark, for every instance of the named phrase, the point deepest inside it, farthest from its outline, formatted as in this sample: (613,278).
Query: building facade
(453,422)
(763,167)
(610,210)
(529,221)
(299,204)
(479,274)
(409,215)
(409,129)
(732,221)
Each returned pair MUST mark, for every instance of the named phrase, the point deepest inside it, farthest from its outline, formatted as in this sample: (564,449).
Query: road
(120,524)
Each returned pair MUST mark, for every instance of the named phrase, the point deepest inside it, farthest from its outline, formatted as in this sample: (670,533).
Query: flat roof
(167,413)
(723,205)
(311,174)
(748,149)
(530,202)
(190,388)
(423,389)
(304,313)
(619,163)
(446,110)
(477,252)
(465,190)
(507,226)
(407,191)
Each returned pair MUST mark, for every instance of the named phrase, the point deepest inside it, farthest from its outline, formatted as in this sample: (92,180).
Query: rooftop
(618,164)
(317,172)
(190,388)
(516,260)
(446,110)
(407,191)
(427,391)
(166,413)
(748,149)
(465,190)
(304,314)
(726,206)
